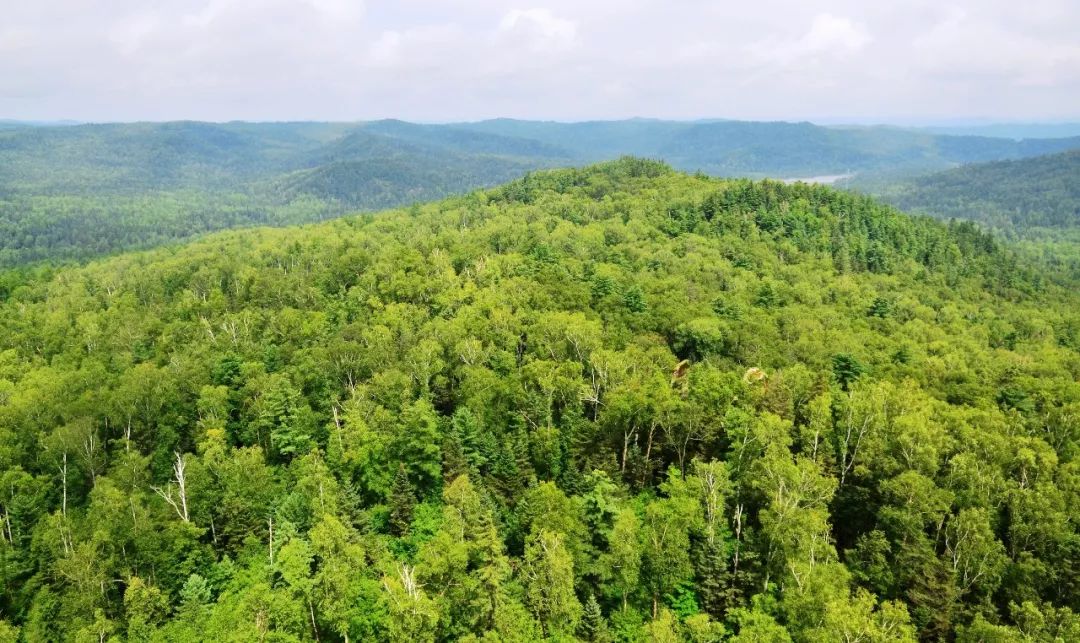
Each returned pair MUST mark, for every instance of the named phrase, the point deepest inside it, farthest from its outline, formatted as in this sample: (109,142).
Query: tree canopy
(619,403)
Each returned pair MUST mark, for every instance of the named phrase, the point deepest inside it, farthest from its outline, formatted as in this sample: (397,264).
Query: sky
(892,61)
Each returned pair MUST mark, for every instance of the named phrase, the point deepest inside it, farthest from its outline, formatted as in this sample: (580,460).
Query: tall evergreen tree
(402,502)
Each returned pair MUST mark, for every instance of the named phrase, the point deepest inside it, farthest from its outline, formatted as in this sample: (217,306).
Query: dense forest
(612,404)
(79,191)
(1010,196)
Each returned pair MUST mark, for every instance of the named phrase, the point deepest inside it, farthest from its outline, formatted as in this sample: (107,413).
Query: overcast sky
(900,61)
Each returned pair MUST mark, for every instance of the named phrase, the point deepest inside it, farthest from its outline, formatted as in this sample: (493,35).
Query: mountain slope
(388,181)
(81,191)
(618,401)
(76,191)
(464,140)
(132,157)
(1016,195)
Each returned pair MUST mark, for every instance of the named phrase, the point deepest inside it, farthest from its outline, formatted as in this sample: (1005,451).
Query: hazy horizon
(916,63)
(959,122)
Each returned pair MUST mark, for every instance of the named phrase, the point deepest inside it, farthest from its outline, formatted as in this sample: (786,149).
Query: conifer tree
(402,502)
(593,625)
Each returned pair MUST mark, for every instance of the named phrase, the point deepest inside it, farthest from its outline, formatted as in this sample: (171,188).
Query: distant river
(826,179)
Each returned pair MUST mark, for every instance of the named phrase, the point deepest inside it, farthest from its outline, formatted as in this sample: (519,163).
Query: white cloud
(130,33)
(829,33)
(387,48)
(424,47)
(828,37)
(972,47)
(456,59)
(340,10)
(540,29)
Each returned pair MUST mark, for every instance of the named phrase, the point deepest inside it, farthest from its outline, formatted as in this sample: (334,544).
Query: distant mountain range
(775,149)
(208,155)
(1010,130)
(79,190)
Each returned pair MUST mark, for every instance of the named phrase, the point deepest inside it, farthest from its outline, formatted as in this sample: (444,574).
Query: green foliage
(568,407)
(548,576)
(593,626)
(880,308)
(82,191)
(77,192)
(1016,195)
(402,501)
(846,369)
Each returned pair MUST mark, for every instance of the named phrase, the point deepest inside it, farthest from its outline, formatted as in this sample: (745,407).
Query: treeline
(610,404)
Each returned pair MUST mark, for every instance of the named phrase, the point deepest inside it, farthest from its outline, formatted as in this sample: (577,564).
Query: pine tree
(930,592)
(593,625)
(455,462)
(462,451)
(418,445)
(881,307)
(714,583)
(634,300)
(402,502)
(846,369)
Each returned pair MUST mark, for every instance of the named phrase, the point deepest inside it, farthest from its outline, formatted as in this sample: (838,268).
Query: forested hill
(618,403)
(1040,192)
(81,191)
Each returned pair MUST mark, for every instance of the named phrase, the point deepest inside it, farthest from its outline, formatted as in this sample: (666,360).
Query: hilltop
(83,190)
(619,402)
